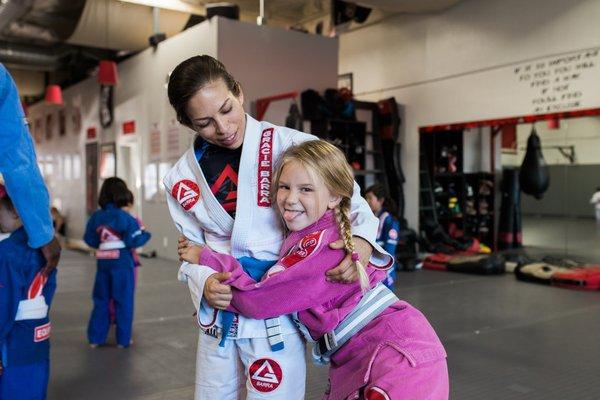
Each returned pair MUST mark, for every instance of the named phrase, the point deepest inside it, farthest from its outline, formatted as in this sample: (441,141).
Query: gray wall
(571,187)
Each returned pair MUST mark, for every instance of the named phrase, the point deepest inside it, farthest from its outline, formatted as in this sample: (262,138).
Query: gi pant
(248,366)
(118,284)
(25,382)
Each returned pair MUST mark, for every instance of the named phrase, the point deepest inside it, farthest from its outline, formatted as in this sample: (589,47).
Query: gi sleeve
(90,237)
(389,234)
(193,274)
(364,222)
(297,288)
(134,235)
(19,167)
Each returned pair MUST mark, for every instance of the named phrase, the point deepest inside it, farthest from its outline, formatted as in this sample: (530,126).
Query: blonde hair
(322,159)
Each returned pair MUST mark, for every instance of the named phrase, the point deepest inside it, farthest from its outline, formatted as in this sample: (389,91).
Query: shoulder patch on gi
(376,393)
(393,234)
(304,248)
(265,375)
(186,192)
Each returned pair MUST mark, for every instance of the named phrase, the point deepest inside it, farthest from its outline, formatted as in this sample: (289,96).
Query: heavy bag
(489,264)
(534,175)
(509,226)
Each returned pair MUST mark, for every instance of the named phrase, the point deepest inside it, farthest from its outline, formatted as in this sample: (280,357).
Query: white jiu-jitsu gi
(256,232)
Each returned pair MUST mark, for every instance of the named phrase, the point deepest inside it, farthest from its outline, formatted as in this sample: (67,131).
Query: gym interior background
(482,118)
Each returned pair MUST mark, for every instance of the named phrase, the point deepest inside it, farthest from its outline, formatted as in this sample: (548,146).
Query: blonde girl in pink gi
(378,347)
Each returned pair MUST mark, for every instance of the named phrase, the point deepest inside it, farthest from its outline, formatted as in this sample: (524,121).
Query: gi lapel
(214,208)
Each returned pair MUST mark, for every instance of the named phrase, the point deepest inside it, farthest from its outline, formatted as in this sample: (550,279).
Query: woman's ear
(334,201)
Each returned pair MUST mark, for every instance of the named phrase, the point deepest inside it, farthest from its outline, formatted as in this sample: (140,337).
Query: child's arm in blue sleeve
(134,235)
(90,236)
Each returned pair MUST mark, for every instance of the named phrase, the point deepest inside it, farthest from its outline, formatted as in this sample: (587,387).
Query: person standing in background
(22,177)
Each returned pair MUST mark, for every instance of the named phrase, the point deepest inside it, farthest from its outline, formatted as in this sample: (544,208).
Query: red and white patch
(305,247)
(35,289)
(41,333)
(186,192)
(265,170)
(375,393)
(393,234)
(265,375)
(107,234)
(107,254)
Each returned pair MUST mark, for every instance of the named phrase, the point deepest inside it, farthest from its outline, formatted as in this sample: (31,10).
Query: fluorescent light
(175,5)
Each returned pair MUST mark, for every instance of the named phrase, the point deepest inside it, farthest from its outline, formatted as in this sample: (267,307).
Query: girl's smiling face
(302,198)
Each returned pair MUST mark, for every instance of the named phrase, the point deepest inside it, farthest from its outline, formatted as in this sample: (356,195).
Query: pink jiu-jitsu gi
(397,355)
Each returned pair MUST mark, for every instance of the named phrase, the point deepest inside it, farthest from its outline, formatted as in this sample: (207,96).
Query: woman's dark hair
(381,193)
(114,190)
(191,75)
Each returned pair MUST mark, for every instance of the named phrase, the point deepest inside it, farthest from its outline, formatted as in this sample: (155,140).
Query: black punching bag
(534,175)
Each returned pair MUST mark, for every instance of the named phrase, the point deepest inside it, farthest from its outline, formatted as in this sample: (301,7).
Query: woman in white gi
(220,196)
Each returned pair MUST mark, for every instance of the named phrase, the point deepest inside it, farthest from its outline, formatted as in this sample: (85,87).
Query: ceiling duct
(32,57)
(117,25)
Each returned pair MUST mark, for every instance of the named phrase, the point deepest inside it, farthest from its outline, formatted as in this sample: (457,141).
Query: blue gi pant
(25,382)
(118,284)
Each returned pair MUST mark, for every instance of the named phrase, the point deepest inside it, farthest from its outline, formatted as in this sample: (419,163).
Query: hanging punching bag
(534,175)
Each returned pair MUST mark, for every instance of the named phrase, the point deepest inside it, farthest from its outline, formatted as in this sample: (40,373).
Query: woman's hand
(345,272)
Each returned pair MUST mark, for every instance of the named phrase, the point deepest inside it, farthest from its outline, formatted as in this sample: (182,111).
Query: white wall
(265,60)
(461,65)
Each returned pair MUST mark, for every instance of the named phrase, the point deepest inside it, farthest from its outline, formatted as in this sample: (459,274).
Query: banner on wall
(106,106)
(173,137)
(154,146)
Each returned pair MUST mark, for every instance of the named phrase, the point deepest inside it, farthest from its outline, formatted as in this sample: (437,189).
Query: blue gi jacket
(22,342)
(105,228)
(19,167)
(387,233)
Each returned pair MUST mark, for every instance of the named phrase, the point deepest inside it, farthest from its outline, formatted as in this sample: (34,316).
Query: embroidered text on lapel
(265,155)
(186,192)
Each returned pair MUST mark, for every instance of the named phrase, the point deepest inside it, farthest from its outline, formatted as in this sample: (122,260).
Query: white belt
(112,245)
(35,308)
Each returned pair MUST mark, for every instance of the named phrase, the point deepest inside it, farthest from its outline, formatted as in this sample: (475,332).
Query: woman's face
(217,115)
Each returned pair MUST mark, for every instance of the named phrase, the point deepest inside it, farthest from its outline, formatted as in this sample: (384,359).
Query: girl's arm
(134,235)
(90,237)
(297,288)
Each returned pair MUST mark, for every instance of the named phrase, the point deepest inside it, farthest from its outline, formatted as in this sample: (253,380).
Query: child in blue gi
(25,298)
(114,232)
(387,234)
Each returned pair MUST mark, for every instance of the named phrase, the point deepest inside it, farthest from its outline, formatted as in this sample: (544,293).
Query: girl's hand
(190,253)
(346,272)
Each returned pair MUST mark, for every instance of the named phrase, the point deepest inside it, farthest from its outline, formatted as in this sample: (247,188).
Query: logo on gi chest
(265,375)
(186,192)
